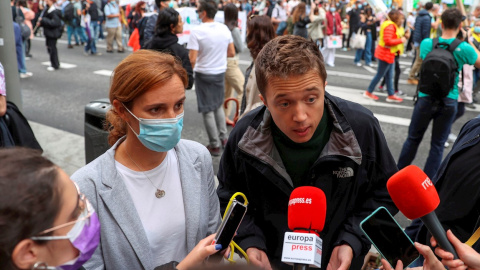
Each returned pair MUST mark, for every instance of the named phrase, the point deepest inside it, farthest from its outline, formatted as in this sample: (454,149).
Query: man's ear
(25,254)
(325,84)
(263,99)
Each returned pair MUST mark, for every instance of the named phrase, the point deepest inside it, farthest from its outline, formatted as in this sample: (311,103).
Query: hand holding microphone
(416,197)
(468,256)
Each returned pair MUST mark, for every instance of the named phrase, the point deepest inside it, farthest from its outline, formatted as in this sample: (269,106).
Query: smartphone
(227,229)
(389,238)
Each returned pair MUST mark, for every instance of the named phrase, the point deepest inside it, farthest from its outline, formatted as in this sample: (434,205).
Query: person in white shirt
(280,16)
(210,44)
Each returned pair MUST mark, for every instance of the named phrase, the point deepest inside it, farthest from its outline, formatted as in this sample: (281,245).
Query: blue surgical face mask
(332,9)
(359,6)
(476,29)
(414,13)
(159,135)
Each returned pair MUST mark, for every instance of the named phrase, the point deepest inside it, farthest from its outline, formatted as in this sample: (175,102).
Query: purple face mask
(84,236)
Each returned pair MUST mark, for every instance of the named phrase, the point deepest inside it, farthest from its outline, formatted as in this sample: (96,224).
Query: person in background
(371,32)
(136,15)
(20,52)
(391,42)
(52,29)
(280,16)
(113,25)
(29,16)
(396,79)
(91,9)
(362,29)
(411,25)
(353,17)
(440,111)
(259,32)
(169,24)
(315,30)
(290,24)
(247,7)
(234,78)
(334,28)
(345,31)
(150,167)
(210,44)
(423,24)
(300,20)
(151,23)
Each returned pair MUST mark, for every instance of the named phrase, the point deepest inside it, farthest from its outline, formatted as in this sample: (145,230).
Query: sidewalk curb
(65,149)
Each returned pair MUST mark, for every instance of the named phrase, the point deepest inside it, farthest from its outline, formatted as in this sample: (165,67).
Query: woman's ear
(25,254)
(120,110)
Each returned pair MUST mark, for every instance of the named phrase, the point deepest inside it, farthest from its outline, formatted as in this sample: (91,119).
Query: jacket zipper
(471,140)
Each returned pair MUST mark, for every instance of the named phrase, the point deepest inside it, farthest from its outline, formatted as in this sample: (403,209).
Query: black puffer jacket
(353,174)
(169,44)
(52,23)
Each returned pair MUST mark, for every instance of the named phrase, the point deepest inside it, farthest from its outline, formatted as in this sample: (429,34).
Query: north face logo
(344,172)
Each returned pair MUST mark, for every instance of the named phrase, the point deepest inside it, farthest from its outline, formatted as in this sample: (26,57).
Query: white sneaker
(446,145)
(50,69)
(358,64)
(452,138)
(370,65)
(26,75)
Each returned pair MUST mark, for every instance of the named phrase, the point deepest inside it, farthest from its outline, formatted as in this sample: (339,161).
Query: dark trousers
(52,51)
(396,78)
(442,112)
(350,33)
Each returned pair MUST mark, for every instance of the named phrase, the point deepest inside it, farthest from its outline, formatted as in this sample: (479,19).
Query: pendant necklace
(159,193)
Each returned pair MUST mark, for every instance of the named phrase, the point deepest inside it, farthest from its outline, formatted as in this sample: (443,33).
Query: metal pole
(8,55)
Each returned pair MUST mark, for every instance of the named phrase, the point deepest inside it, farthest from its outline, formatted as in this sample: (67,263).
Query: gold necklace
(159,193)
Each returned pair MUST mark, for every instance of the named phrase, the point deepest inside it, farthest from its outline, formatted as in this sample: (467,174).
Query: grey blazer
(123,242)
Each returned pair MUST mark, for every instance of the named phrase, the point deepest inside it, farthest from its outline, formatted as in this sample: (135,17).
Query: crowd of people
(150,201)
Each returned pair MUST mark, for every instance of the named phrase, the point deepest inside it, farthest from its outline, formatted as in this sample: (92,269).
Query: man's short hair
(209,6)
(451,18)
(285,56)
(157,2)
(428,5)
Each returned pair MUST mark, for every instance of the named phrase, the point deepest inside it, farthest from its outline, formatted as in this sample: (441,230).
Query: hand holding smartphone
(389,238)
(227,229)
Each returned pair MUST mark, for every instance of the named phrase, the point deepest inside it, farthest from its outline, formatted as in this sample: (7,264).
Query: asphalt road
(58,99)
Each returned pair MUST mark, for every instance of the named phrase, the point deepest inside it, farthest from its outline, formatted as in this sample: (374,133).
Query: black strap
(435,43)
(454,45)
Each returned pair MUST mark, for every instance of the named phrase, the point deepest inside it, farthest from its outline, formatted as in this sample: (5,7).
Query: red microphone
(307,208)
(416,197)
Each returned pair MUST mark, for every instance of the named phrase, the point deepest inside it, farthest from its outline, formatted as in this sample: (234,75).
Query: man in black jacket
(304,136)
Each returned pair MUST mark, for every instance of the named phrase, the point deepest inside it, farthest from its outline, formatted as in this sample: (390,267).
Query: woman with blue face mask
(155,193)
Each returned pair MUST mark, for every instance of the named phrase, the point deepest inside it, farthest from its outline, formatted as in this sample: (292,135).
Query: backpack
(142,24)
(68,13)
(439,70)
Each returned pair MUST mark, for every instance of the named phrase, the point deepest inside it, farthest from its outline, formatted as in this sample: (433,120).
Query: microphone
(416,197)
(307,208)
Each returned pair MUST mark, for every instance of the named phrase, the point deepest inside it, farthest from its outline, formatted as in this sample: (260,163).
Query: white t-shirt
(211,41)
(163,219)
(411,19)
